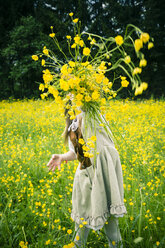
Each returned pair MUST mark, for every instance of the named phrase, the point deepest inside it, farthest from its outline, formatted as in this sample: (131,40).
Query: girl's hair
(68,123)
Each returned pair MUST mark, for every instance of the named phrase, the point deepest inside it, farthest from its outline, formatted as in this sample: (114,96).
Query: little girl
(97,197)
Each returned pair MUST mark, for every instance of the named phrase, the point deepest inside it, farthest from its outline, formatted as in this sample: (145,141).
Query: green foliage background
(25,26)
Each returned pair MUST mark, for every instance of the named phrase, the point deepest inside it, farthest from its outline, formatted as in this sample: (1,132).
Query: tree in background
(25,39)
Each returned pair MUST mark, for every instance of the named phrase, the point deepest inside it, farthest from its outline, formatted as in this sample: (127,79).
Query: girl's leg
(81,236)
(112,232)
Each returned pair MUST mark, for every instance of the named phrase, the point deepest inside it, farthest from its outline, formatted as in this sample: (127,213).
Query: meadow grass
(35,204)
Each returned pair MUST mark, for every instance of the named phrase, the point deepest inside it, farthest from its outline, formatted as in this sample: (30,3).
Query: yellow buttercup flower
(77,39)
(42,62)
(137,70)
(150,45)
(64,85)
(47,76)
(68,37)
(142,63)
(119,40)
(86,51)
(81,141)
(81,43)
(127,59)
(45,51)
(145,37)
(93,138)
(72,63)
(79,97)
(108,116)
(35,57)
(138,91)
(123,78)
(74,45)
(52,35)
(87,98)
(75,20)
(69,231)
(124,83)
(41,87)
(144,86)
(138,44)
(71,14)
(95,95)
(85,148)
(47,242)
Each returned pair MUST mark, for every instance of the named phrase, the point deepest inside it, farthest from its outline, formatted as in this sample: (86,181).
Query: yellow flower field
(35,204)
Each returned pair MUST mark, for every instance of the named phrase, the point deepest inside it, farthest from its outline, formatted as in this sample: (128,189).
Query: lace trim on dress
(99,221)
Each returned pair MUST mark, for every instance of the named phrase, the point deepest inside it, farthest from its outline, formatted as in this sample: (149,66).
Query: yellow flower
(150,45)
(52,35)
(99,78)
(79,97)
(127,59)
(157,243)
(64,69)
(45,51)
(42,62)
(80,225)
(81,43)
(77,39)
(71,14)
(81,141)
(95,95)
(108,116)
(143,63)
(69,231)
(86,51)
(137,70)
(93,41)
(145,37)
(64,85)
(75,20)
(72,64)
(119,40)
(124,83)
(103,101)
(87,98)
(77,237)
(85,148)
(47,76)
(68,37)
(47,242)
(144,86)
(35,57)
(90,144)
(138,91)
(74,45)
(21,243)
(113,243)
(41,87)
(138,44)
(93,138)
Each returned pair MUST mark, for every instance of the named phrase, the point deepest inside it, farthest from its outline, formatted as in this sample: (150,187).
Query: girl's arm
(57,159)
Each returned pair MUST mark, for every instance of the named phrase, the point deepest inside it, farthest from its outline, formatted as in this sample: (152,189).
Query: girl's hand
(54,162)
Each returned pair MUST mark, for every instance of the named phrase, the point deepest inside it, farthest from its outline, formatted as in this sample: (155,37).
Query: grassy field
(35,204)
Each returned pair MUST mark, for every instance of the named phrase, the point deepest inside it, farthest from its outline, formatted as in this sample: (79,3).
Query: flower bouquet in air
(82,77)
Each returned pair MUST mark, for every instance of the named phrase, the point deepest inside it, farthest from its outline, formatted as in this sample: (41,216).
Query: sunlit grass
(35,204)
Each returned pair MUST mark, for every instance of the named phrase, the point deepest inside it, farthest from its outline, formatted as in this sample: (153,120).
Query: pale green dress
(98,190)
